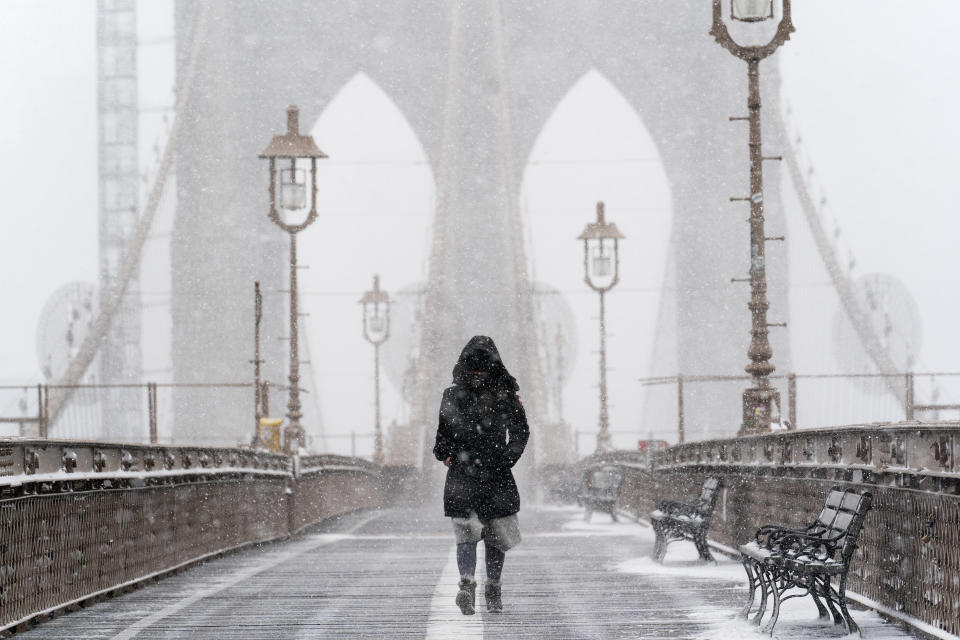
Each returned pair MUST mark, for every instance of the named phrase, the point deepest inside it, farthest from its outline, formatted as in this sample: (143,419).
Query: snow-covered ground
(798,617)
(393,574)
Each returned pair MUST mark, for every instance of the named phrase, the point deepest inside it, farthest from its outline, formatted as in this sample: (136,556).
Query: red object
(643,445)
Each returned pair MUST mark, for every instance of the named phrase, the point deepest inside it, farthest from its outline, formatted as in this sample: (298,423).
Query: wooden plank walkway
(392,574)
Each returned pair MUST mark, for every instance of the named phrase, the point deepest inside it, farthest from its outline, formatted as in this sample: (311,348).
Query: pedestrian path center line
(445,620)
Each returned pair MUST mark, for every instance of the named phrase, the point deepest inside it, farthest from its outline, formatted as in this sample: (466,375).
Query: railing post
(353,444)
(792,400)
(257,316)
(680,425)
(43,425)
(152,409)
(908,400)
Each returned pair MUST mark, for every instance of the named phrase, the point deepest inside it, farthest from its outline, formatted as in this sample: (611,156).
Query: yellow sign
(270,433)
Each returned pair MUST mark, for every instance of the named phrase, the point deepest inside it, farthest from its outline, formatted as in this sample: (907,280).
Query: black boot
(467,597)
(491,593)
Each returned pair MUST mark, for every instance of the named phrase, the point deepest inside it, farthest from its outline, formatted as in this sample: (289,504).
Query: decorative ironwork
(69,460)
(759,399)
(63,543)
(786,452)
(768,450)
(907,560)
(835,450)
(898,453)
(941,451)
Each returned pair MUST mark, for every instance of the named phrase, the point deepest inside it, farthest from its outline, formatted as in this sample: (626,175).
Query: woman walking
(482,433)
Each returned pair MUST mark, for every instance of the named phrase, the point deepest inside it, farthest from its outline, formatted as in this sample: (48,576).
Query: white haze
(872,86)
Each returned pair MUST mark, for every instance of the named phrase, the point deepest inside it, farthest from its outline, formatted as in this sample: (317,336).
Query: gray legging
(467,559)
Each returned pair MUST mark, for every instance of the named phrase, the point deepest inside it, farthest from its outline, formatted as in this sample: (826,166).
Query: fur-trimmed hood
(481,354)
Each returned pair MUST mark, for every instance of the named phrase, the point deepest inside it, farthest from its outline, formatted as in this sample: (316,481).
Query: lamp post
(295,211)
(601,267)
(758,399)
(376,330)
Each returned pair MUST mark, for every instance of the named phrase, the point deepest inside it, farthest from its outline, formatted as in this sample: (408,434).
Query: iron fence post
(43,425)
(908,400)
(257,403)
(680,424)
(792,399)
(152,409)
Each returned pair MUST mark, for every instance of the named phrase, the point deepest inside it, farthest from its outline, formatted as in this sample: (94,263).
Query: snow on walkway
(798,617)
(392,574)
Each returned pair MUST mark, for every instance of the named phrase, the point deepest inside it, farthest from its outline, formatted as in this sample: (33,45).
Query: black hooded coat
(483,430)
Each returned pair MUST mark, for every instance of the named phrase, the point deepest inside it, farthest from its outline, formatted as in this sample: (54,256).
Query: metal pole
(372,301)
(603,436)
(600,232)
(152,409)
(43,427)
(294,439)
(257,316)
(353,444)
(792,399)
(39,409)
(758,399)
(377,432)
(680,421)
(265,398)
(908,400)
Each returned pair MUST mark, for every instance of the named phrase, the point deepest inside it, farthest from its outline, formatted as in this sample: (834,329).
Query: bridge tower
(120,356)
(477,82)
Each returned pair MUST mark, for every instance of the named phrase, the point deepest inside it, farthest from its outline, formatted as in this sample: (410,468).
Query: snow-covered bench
(813,560)
(674,521)
(601,490)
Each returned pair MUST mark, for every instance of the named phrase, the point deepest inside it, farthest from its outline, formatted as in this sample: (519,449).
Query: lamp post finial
(293,120)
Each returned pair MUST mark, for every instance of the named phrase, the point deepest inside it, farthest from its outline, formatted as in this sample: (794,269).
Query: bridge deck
(392,574)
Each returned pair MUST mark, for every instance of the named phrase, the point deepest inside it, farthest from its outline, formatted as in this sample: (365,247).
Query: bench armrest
(673,508)
(769,535)
(802,544)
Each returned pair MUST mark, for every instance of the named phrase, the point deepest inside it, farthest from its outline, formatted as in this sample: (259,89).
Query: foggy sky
(872,87)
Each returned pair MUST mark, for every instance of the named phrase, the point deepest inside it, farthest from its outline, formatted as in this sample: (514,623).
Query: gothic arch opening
(375,200)
(595,147)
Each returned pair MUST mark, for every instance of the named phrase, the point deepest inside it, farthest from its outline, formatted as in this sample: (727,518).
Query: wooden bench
(601,490)
(813,560)
(674,521)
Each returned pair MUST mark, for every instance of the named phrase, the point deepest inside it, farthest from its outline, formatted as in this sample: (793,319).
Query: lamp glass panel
(293,189)
(751,10)
(602,262)
(378,323)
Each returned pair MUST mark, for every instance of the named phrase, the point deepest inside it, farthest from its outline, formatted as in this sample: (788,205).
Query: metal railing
(820,399)
(85,419)
(79,520)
